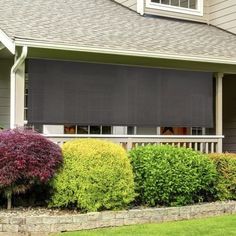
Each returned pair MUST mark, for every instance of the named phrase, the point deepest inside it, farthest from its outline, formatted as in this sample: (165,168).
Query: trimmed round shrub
(96,175)
(171,176)
(26,158)
(226,170)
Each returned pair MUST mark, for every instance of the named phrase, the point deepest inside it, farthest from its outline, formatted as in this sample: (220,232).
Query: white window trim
(140,6)
(197,12)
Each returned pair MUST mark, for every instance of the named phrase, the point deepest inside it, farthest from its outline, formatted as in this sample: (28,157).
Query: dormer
(221,14)
(191,7)
(193,10)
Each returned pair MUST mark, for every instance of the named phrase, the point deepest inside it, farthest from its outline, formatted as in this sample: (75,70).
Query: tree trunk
(9,203)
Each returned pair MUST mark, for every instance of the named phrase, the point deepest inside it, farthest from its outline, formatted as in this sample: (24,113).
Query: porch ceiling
(1,46)
(5,54)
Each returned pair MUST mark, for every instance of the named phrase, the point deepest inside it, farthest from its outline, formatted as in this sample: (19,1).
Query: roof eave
(57,46)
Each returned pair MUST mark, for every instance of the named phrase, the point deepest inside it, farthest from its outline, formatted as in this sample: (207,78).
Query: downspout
(14,69)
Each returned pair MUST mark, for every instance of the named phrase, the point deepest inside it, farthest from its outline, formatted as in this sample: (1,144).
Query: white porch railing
(202,143)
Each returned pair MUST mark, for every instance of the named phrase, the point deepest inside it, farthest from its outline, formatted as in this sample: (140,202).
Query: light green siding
(222,13)
(5,66)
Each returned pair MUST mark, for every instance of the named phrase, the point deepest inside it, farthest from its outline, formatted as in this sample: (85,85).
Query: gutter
(14,69)
(44,45)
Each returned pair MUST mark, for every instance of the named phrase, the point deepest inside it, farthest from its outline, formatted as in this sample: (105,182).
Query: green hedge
(171,176)
(97,175)
(226,169)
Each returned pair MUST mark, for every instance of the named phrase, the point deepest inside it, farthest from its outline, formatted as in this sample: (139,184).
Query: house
(132,71)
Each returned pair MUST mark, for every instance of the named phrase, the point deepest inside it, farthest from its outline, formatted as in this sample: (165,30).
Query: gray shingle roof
(105,24)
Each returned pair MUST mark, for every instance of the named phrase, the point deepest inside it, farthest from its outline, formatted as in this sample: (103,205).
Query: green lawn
(216,226)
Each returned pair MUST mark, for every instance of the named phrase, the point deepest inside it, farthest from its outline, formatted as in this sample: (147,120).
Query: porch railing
(202,143)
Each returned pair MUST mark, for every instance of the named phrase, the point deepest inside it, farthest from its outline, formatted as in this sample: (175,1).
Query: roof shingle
(105,24)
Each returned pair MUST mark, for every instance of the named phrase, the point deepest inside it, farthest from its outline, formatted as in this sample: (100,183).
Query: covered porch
(208,139)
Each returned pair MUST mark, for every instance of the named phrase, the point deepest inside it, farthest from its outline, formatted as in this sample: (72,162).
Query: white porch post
(18,90)
(20,95)
(219,109)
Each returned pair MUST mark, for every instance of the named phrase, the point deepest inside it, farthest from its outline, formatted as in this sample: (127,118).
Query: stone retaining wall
(43,225)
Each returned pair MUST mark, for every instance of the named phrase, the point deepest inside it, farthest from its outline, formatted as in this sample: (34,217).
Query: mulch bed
(38,211)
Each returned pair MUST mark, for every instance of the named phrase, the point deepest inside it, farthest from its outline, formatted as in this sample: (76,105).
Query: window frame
(89,129)
(189,11)
(198,131)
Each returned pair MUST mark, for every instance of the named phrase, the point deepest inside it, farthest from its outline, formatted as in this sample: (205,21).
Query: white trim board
(134,136)
(140,6)
(7,42)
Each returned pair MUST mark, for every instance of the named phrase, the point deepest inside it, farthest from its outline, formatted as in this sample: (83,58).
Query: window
(76,129)
(198,131)
(131,130)
(192,4)
(194,7)
(82,129)
(70,129)
(106,129)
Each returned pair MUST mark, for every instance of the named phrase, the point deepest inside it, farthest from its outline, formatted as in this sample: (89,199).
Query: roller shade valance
(63,92)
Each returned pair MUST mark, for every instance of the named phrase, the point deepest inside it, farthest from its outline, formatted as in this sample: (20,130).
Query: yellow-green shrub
(96,175)
(226,169)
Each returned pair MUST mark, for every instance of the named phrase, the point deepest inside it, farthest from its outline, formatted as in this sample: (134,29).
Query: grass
(215,226)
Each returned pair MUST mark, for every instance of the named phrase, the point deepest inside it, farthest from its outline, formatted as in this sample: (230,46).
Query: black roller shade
(62,92)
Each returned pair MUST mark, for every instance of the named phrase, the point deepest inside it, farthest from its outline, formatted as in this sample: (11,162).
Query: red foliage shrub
(26,157)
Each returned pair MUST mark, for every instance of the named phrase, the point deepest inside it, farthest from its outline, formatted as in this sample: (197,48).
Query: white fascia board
(7,42)
(45,45)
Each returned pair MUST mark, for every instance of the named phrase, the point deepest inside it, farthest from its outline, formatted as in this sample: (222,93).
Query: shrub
(171,176)
(96,175)
(26,158)
(226,169)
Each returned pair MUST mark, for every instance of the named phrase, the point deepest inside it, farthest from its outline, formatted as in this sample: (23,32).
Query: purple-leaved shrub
(26,158)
